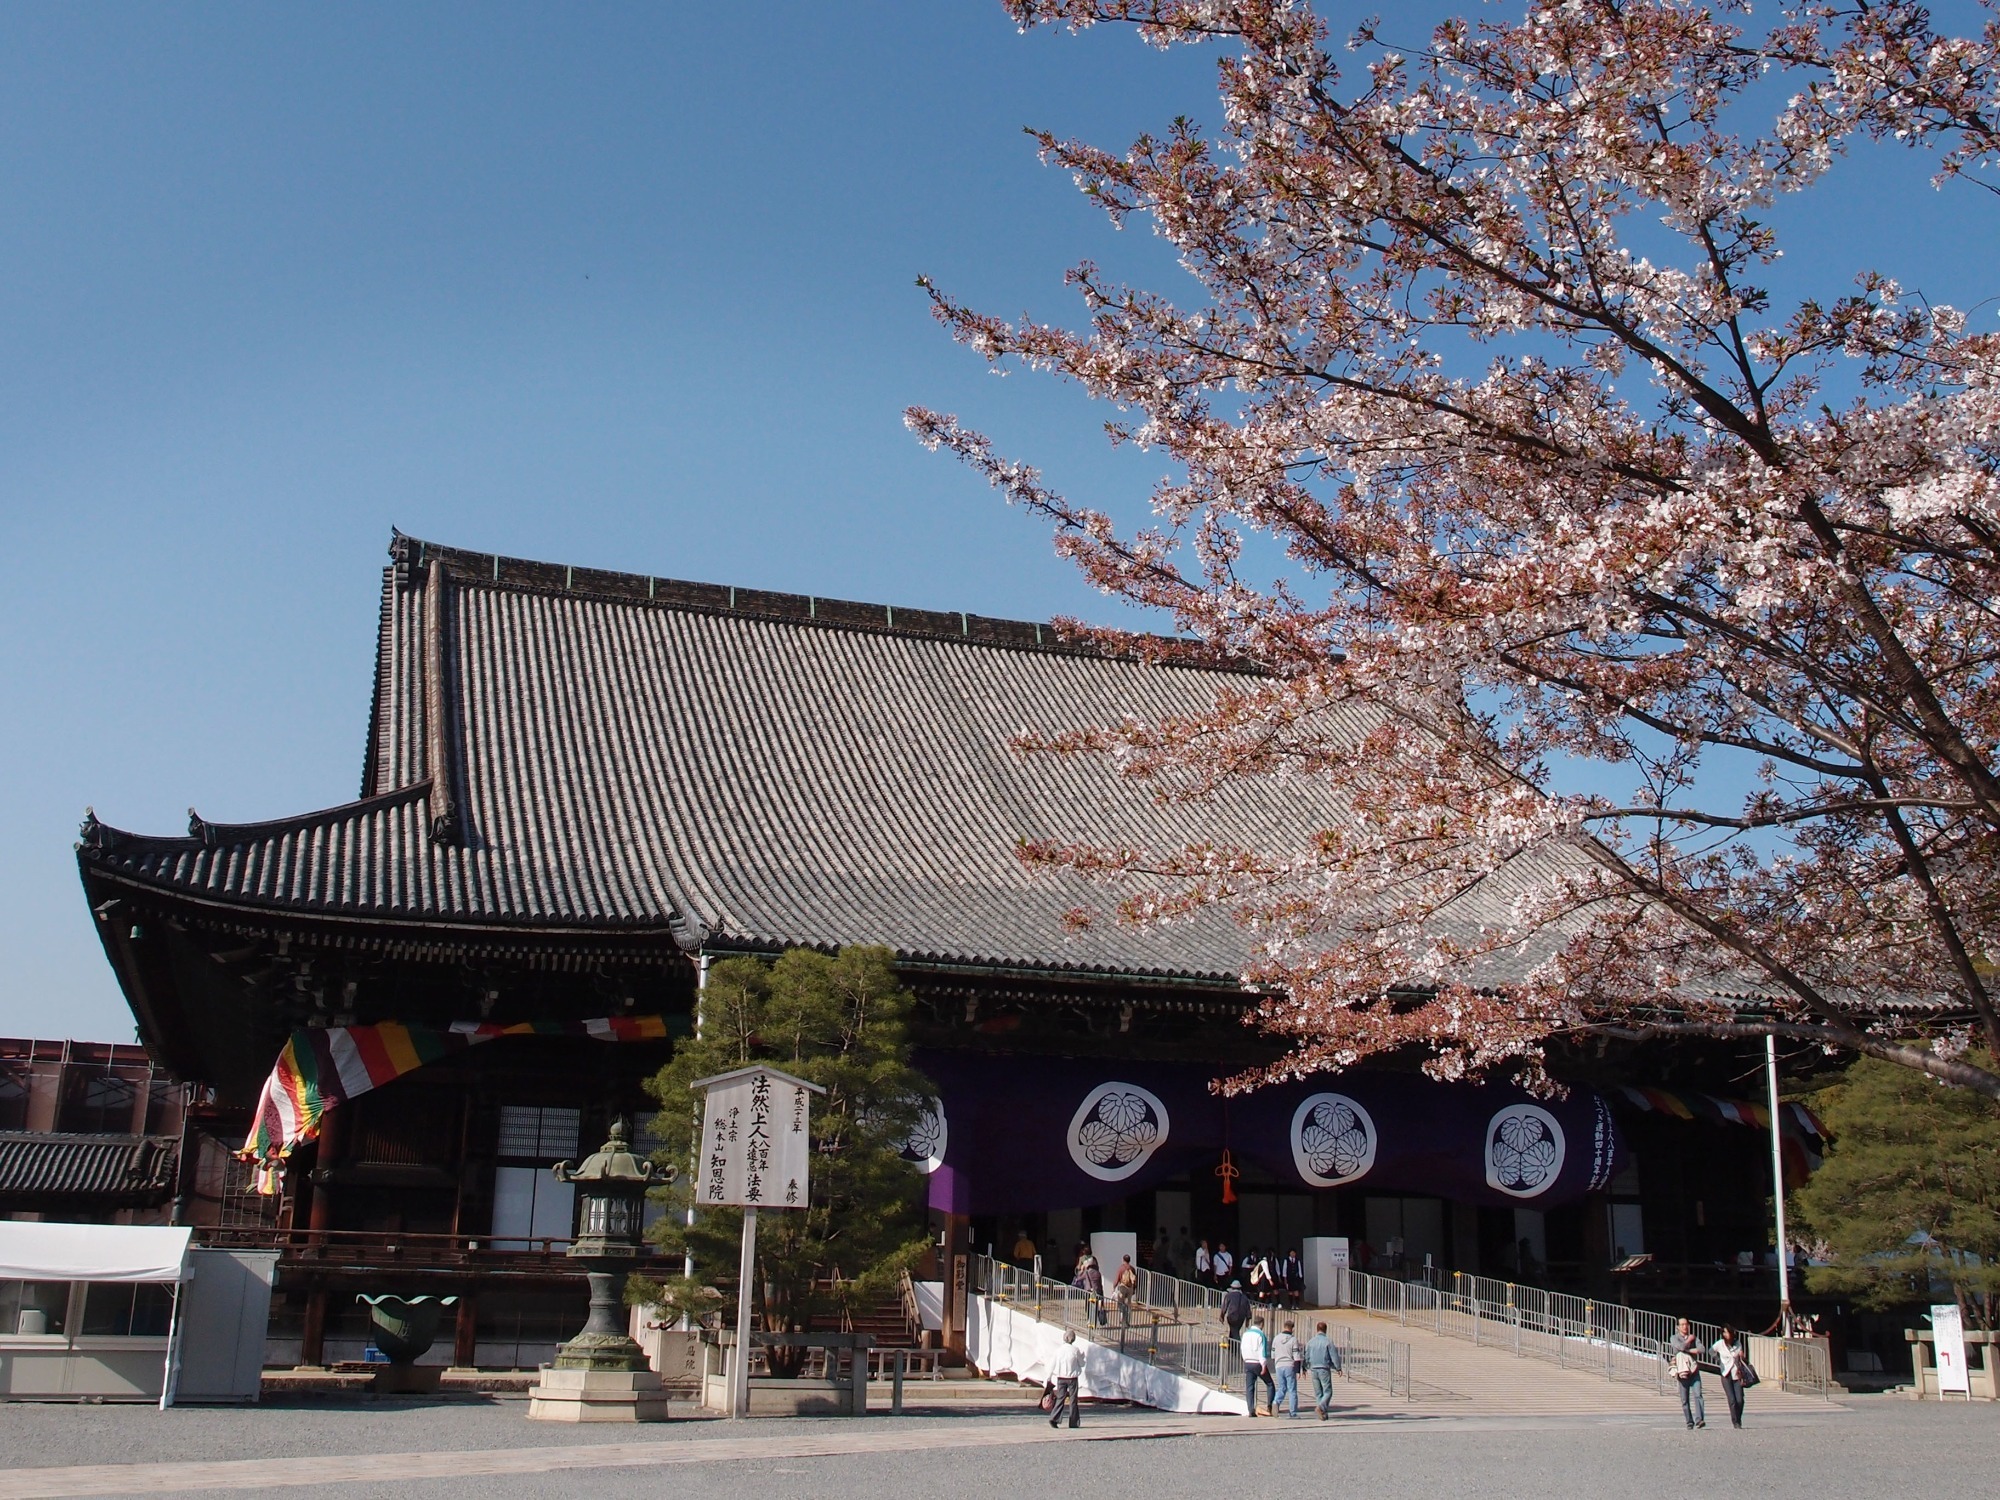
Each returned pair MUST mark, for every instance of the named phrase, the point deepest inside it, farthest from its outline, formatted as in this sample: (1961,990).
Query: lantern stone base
(597,1396)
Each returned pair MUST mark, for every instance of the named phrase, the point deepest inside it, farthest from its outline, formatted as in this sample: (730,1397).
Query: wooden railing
(343,1248)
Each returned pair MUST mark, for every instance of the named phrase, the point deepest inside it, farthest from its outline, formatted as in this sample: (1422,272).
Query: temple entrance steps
(1413,1349)
(1488,1379)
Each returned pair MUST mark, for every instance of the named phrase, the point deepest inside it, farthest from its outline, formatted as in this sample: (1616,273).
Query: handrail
(361,1246)
(1626,1343)
(1194,1342)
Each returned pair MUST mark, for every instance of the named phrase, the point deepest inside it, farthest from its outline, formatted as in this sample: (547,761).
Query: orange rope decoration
(1228,1172)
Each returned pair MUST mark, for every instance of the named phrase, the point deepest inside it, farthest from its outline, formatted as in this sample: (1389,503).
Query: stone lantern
(602,1375)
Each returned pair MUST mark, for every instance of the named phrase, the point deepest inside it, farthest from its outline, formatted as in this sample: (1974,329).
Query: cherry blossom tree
(1483,336)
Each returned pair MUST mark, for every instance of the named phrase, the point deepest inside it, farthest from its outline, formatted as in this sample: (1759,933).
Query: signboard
(1948,1329)
(756,1148)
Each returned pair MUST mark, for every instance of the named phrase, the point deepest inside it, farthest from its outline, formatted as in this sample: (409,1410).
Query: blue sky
(621,285)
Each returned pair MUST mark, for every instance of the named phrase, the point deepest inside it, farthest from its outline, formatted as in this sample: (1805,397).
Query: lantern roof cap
(611,1162)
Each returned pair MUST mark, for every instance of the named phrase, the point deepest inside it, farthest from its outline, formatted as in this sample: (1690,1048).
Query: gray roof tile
(639,753)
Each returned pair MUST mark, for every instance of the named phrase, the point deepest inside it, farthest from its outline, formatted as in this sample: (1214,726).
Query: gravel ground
(1874,1449)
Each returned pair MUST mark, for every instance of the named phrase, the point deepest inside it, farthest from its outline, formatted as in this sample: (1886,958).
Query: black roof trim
(411,554)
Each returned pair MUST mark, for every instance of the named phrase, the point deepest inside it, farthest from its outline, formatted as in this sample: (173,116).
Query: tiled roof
(41,1164)
(630,753)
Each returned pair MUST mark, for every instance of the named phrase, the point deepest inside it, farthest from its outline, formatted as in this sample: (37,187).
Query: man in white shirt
(1256,1349)
(1066,1369)
(1223,1262)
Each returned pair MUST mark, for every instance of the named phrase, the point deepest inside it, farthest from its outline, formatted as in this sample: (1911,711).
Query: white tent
(121,1253)
(92,1252)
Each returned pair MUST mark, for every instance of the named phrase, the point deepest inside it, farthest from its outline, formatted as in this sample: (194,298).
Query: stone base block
(597,1396)
(406,1380)
(786,1398)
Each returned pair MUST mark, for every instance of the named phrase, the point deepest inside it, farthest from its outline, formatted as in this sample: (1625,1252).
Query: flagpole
(1778,1183)
(739,1392)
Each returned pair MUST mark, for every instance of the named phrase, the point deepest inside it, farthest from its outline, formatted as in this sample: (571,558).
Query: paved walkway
(663,1451)
(1491,1381)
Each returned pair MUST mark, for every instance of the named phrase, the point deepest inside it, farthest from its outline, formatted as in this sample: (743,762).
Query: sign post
(1948,1342)
(756,1152)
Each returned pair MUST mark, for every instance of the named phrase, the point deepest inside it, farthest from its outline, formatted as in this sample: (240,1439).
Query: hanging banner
(1021,1134)
(323,1067)
(756,1140)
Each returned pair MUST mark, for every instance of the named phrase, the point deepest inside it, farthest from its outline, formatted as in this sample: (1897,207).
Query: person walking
(1256,1350)
(1683,1353)
(1204,1265)
(1294,1280)
(1732,1357)
(1257,1273)
(1066,1370)
(1322,1359)
(1235,1309)
(1285,1363)
(1125,1290)
(1091,1280)
(1223,1262)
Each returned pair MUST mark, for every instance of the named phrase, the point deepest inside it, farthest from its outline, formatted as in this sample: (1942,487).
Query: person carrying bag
(1682,1353)
(1732,1357)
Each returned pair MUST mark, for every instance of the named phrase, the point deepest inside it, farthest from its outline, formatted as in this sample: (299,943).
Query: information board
(1948,1329)
(756,1142)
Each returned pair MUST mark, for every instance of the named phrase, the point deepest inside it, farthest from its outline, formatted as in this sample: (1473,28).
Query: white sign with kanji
(1948,1335)
(756,1141)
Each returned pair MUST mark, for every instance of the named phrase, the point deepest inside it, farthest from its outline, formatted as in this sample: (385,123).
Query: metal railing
(1626,1344)
(1177,1325)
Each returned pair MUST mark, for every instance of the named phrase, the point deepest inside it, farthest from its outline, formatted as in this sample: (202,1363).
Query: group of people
(1272,1280)
(1089,1279)
(1278,1360)
(1730,1355)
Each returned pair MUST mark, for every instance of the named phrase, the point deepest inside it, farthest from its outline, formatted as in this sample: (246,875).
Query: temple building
(579,788)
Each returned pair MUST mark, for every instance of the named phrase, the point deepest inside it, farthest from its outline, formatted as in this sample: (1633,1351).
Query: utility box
(225,1312)
(1326,1256)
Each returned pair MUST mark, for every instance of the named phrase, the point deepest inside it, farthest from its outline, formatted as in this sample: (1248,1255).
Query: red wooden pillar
(320,1216)
(465,1333)
(312,1341)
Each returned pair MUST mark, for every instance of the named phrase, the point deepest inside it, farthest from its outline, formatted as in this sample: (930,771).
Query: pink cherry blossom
(1479,334)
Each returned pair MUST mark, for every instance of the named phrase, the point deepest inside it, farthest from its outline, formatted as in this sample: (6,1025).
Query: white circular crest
(1524,1151)
(925,1145)
(1116,1130)
(1333,1140)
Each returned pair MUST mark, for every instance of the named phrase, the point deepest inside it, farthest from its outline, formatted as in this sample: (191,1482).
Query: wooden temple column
(312,1338)
(957,1273)
(465,1332)
(320,1216)
(319,1219)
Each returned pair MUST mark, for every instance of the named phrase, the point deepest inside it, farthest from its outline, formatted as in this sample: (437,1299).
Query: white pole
(739,1373)
(694,1147)
(1778,1184)
(170,1376)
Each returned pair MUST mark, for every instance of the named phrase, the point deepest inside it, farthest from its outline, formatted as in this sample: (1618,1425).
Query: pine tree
(1909,1197)
(840,1022)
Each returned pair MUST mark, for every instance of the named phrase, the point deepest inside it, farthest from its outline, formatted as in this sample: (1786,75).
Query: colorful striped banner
(322,1067)
(1721,1111)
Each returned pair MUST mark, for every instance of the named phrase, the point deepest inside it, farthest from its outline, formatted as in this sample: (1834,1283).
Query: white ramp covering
(92,1252)
(1001,1341)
